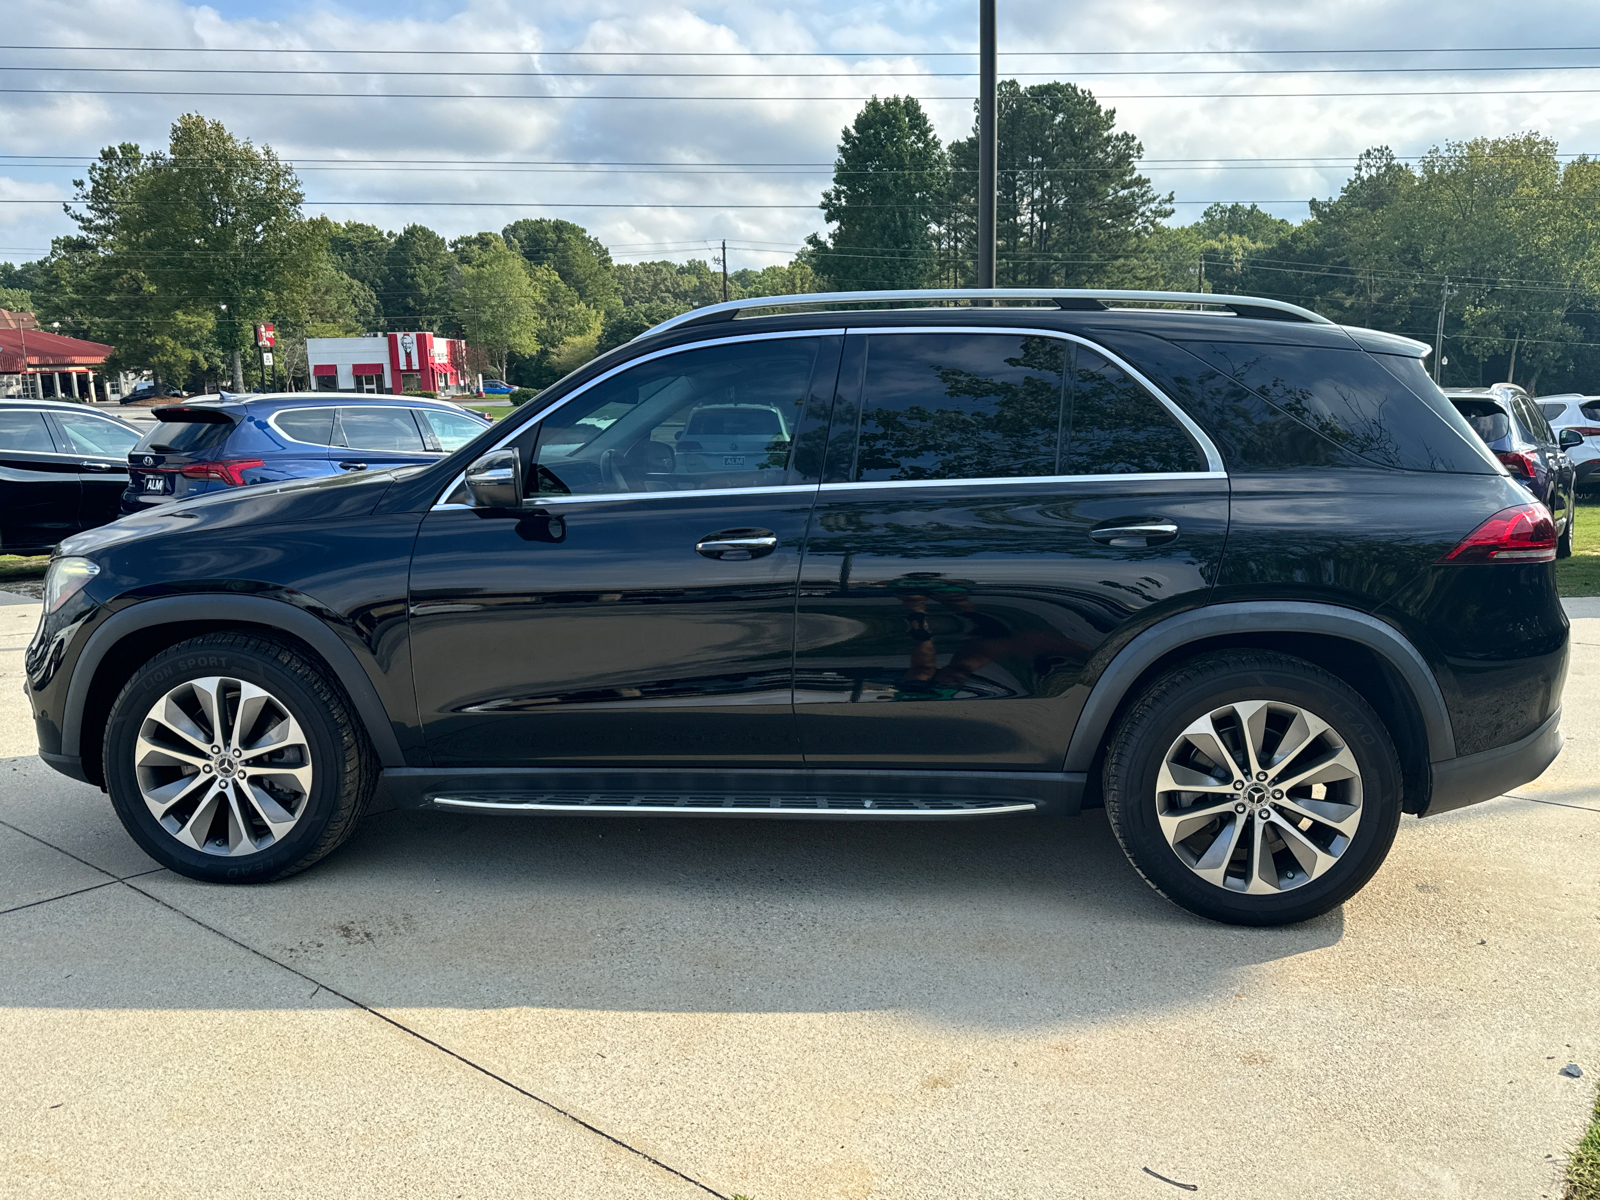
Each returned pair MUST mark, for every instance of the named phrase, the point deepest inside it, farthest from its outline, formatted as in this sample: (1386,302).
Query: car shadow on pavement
(1001,923)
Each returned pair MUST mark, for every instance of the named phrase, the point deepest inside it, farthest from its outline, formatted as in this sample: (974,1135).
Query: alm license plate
(155,483)
(733,460)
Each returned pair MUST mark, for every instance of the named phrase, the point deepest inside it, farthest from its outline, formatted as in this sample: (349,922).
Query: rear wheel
(1253,788)
(234,758)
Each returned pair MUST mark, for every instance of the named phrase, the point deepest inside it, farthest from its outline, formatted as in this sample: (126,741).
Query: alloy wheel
(1259,797)
(223,766)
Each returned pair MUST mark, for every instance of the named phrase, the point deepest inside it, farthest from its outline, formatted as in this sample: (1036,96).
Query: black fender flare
(252,610)
(1258,616)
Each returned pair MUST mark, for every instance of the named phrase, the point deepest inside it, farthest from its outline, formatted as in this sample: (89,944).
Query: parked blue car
(211,443)
(497,387)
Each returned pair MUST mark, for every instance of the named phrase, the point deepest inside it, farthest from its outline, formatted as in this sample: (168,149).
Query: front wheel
(234,758)
(1253,788)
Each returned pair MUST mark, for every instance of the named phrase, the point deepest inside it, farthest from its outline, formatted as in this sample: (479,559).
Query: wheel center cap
(1256,793)
(225,767)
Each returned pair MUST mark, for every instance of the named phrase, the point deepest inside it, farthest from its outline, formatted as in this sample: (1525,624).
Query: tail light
(1518,463)
(1585,430)
(1521,534)
(230,471)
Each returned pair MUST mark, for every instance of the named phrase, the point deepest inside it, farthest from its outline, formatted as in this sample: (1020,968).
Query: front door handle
(1145,533)
(732,545)
(352,466)
(101,467)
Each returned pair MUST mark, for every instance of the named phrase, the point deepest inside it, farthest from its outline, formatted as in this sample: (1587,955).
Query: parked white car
(1580,413)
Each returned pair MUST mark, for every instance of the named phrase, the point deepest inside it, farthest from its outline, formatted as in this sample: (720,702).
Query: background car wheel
(1253,788)
(1564,542)
(232,758)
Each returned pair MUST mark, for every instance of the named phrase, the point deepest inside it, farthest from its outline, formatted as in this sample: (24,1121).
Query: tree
(582,261)
(416,280)
(796,279)
(889,186)
(16,300)
(1071,208)
(688,285)
(361,251)
(498,306)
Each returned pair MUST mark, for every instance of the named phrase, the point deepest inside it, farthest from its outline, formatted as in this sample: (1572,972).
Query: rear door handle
(352,466)
(1146,533)
(732,545)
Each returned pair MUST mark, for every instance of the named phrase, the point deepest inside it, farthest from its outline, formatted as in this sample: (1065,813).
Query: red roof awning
(46,350)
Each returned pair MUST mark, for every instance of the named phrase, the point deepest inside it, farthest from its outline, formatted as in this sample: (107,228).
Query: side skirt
(832,794)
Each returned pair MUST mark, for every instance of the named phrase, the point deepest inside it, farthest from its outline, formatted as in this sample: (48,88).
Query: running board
(657,804)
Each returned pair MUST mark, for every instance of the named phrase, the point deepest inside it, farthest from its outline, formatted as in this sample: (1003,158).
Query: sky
(734,134)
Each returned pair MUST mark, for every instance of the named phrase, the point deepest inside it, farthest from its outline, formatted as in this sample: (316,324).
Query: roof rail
(1072,299)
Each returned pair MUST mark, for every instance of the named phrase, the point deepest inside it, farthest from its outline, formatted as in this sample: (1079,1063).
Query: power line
(538,53)
(255,94)
(478,74)
(586,204)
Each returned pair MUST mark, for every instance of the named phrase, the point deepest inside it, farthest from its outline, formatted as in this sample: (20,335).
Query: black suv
(1242,576)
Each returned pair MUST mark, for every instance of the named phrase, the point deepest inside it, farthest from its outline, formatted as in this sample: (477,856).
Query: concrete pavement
(475,1006)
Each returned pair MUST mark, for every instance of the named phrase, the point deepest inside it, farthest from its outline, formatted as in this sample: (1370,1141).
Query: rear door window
(1115,427)
(960,406)
(26,431)
(87,434)
(1532,420)
(386,429)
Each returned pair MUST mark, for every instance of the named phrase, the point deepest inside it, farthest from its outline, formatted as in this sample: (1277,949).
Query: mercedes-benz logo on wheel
(148,461)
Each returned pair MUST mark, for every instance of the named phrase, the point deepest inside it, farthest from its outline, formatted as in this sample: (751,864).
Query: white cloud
(780,129)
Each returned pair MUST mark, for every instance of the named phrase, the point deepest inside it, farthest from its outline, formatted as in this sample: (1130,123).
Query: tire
(1564,542)
(303,774)
(1295,863)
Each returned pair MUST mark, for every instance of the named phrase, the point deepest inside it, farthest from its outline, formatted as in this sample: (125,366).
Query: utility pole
(987,158)
(724,270)
(1438,339)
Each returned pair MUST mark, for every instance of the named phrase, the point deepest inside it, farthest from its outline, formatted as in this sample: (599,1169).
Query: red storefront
(35,363)
(393,363)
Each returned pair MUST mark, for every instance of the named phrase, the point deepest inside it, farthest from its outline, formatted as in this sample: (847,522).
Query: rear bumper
(1473,778)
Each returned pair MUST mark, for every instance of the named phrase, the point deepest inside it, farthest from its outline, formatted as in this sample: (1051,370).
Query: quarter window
(311,425)
(454,430)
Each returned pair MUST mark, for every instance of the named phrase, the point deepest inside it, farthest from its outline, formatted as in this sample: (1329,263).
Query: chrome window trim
(1213,459)
(1027,480)
(624,366)
(1215,469)
(687,494)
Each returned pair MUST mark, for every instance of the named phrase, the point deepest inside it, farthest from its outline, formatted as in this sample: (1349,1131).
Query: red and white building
(388,363)
(41,364)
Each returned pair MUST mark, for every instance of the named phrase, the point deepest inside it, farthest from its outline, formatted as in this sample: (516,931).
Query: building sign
(266,336)
(266,358)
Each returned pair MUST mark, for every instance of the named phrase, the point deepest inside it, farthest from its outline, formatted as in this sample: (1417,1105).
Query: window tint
(1591,412)
(1351,399)
(960,406)
(23,430)
(1532,420)
(1488,419)
(1116,427)
(313,425)
(716,417)
(183,437)
(389,429)
(1552,412)
(454,430)
(96,435)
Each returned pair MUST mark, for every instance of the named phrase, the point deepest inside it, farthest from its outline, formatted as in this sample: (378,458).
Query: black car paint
(1338,536)
(47,496)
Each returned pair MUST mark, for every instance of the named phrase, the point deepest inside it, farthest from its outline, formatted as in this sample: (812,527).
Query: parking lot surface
(478,1007)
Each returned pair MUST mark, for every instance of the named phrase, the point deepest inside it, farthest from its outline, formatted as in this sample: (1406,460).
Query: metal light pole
(987,157)
(1438,338)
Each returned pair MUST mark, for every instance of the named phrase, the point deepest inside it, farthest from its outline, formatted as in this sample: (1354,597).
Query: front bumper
(1473,778)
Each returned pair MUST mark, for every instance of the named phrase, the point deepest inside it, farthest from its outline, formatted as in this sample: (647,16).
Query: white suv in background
(1581,413)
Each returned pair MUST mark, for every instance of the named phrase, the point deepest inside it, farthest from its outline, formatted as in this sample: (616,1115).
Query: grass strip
(13,566)
(1583,1172)
(1580,574)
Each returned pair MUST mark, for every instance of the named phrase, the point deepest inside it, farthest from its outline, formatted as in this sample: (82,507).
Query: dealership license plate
(155,483)
(733,460)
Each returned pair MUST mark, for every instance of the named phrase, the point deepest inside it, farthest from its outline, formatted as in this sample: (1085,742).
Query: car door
(639,609)
(101,446)
(39,485)
(996,506)
(369,437)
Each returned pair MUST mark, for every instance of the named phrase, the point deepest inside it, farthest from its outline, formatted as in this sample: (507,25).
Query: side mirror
(495,480)
(1570,438)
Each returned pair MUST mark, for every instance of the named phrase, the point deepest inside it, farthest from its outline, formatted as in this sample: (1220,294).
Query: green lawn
(1580,574)
(13,567)
(1583,1172)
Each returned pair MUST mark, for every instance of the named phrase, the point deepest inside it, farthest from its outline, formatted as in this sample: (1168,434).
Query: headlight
(65,579)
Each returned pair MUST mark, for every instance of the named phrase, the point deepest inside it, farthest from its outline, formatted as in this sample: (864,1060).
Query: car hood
(325,498)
